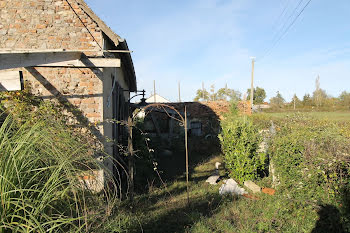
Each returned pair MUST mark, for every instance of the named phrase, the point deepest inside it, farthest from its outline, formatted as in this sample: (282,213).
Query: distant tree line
(318,99)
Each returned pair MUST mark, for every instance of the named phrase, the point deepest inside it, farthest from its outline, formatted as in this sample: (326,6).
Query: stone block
(252,186)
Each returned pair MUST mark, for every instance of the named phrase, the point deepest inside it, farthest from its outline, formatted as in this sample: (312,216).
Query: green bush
(240,141)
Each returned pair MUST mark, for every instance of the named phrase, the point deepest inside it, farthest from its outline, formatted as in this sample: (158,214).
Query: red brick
(41,26)
(94,114)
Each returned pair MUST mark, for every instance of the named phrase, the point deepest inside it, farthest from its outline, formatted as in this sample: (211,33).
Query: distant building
(157,99)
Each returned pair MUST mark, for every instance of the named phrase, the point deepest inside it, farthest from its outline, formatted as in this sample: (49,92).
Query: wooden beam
(63,51)
(10,81)
(17,60)
(86,63)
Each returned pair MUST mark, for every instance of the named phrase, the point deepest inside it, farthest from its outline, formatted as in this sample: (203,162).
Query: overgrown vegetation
(312,158)
(311,162)
(42,170)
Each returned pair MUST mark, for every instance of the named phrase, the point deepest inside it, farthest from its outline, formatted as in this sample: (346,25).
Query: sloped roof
(103,26)
(159,99)
(116,39)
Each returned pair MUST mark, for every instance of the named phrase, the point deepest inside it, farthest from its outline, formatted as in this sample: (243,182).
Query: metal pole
(186,147)
(131,158)
(252,85)
(203,91)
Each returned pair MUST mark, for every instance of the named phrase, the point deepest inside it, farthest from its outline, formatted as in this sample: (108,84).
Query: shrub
(240,144)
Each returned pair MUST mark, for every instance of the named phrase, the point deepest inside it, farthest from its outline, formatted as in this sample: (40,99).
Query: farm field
(332,116)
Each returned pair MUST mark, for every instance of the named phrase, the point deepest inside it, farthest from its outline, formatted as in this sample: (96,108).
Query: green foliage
(43,162)
(222,94)
(228,94)
(259,95)
(311,160)
(202,95)
(345,98)
(240,141)
(307,101)
(277,101)
(144,159)
(40,189)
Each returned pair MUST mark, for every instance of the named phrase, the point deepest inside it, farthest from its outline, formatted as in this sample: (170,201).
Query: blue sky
(211,41)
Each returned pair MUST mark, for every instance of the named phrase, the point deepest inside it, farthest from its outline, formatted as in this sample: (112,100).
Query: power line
(285,31)
(287,21)
(283,13)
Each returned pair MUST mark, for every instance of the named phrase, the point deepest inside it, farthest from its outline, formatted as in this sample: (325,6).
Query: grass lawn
(333,116)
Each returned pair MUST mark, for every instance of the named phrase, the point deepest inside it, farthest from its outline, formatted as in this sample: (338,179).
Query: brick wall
(52,24)
(46,24)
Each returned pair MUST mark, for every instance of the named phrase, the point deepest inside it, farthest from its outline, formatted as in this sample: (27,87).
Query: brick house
(65,52)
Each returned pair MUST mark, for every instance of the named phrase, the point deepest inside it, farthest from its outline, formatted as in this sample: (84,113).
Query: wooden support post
(186,147)
(18,60)
(86,63)
(11,60)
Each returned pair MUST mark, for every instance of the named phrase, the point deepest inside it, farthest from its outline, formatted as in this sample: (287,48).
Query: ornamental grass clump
(40,163)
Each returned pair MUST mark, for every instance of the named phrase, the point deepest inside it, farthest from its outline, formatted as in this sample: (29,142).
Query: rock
(212,179)
(252,186)
(231,187)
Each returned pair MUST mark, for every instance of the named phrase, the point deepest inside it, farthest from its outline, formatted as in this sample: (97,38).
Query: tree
(222,94)
(213,94)
(307,101)
(277,101)
(344,98)
(228,94)
(259,95)
(202,95)
(319,96)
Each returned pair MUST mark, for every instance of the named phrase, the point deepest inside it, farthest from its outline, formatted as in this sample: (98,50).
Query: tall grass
(40,164)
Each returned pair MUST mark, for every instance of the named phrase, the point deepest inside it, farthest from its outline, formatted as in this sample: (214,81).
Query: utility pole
(294,101)
(203,91)
(154,90)
(252,85)
(179,93)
